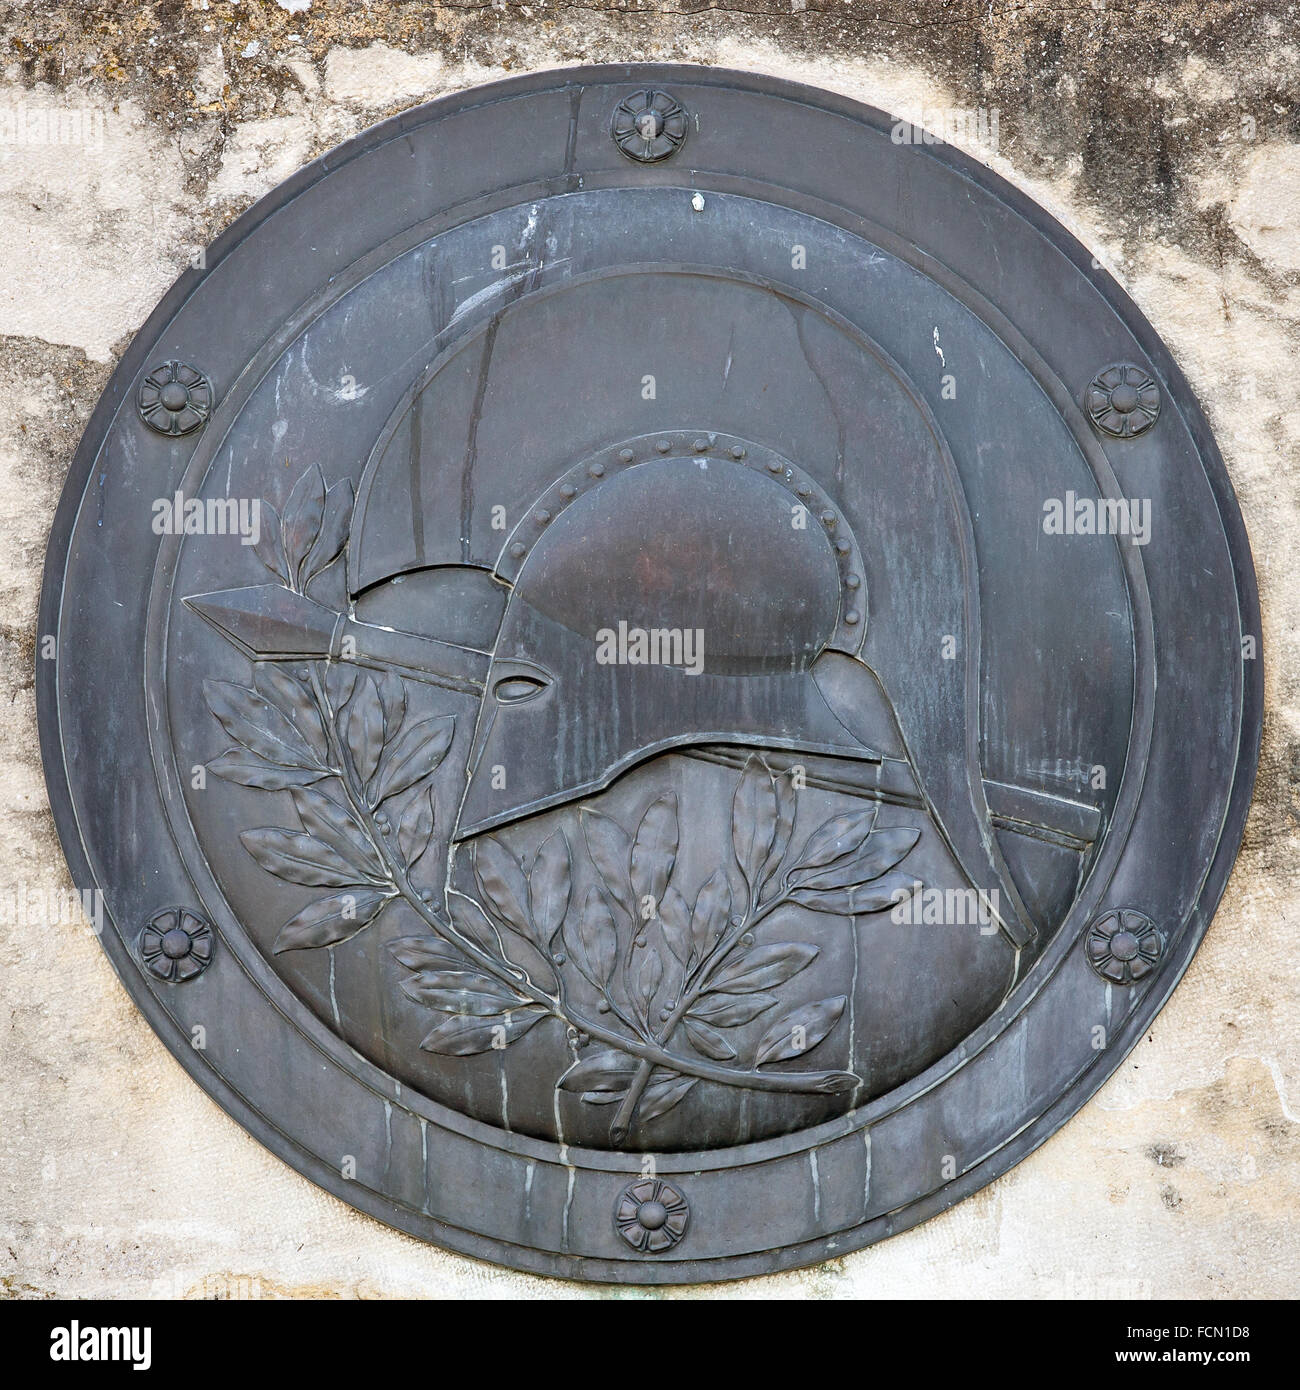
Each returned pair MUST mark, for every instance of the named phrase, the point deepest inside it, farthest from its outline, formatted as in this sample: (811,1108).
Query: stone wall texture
(1165,135)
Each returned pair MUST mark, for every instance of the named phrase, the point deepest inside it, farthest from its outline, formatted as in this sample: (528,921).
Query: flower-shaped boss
(176,945)
(1123,946)
(175,398)
(651,1215)
(1123,400)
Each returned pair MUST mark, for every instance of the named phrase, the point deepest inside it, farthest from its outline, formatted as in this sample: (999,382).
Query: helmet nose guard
(618,643)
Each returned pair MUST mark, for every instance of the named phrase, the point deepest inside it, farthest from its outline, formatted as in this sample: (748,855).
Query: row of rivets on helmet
(803,488)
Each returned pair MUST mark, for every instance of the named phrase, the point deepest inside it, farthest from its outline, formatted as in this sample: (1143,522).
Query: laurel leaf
(473,924)
(269,547)
(415,827)
(293,700)
(363,727)
(235,765)
(463,1036)
(890,891)
(501,882)
(753,819)
(415,754)
(426,953)
(841,835)
(299,858)
(340,681)
(330,920)
(654,849)
(504,889)
(786,802)
(881,850)
(605,1071)
(323,817)
(799,1030)
(460,992)
(303,511)
(592,940)
(336,518)
(710,914)
(258,725)
(730,1010)
(647,977)
(550,883)
(392,698)
(611,852)
(708,1040)
(765,967)
(675,920)
(662,1094)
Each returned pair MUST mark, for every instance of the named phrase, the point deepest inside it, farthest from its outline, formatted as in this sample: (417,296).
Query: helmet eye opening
(515,689)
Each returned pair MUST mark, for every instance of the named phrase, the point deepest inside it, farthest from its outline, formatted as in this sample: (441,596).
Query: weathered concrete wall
(1165,135)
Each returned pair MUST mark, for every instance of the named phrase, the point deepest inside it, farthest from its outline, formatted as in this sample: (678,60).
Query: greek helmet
(676,586)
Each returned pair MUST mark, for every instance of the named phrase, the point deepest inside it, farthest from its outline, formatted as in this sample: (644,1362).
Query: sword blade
(268,622)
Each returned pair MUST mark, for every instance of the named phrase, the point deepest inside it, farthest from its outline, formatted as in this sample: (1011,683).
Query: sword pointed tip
(268,621)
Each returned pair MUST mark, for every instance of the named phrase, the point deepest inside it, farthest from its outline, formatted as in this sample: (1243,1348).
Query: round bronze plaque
(670,678)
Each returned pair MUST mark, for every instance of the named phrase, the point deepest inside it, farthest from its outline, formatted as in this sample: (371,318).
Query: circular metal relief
(744,721)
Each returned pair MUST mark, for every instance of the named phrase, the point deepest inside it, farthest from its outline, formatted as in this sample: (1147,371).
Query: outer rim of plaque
(118,394)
